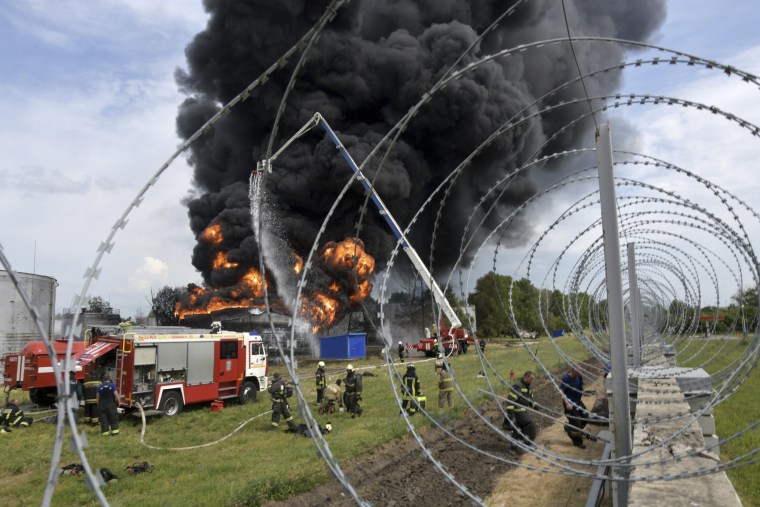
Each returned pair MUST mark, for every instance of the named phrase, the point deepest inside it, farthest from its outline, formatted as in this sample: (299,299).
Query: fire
(220,261)
(201,301)
(321,310)
(346,262)
(252,280)
(213,234)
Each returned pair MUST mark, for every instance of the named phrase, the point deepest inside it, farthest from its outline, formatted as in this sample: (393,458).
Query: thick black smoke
(372,63)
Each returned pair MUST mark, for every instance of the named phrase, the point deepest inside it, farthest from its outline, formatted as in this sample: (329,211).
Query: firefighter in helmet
(353,395)
(321,381)
(518,419)
(13,417)
(401,352)
(280,406)
(410,390)
(91,415)
(445,387)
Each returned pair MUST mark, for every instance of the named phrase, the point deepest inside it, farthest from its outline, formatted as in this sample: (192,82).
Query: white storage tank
(16,324)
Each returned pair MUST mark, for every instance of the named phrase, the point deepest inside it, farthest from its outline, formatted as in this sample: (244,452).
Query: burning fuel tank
(17,326)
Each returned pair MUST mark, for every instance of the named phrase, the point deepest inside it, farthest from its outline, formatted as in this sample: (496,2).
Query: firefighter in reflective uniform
(321,381)
(518,420)
(445,387)
(108,402)
(13,417)
(353,395)
(91,402)
(280,403)
(410,389)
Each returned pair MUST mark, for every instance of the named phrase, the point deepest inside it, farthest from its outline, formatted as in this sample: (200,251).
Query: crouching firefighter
(280,406)
(13,417)
(518,420)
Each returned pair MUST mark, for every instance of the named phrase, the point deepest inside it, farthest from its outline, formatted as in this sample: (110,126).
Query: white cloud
(152,273)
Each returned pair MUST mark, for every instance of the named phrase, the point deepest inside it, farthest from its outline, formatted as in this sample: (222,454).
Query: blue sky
(87,110)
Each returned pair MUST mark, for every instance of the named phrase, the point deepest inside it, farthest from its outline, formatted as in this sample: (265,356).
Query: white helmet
(350,367)
(400,343)
(321,364)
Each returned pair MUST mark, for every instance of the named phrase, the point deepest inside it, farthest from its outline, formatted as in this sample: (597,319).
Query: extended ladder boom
(417,262)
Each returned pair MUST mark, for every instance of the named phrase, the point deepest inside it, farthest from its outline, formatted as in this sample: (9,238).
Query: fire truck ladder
(121,355)
(419,265)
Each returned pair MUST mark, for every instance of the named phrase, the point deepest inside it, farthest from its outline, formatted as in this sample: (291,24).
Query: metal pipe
(616,328)
(634,298)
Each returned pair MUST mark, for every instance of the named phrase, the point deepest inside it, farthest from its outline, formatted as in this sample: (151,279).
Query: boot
(578,442)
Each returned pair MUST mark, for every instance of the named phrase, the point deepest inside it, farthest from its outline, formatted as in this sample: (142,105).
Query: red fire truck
(168,371)
(163,369)
(451,339)
(31,369)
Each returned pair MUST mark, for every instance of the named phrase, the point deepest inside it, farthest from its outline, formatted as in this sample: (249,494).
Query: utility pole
(616,327)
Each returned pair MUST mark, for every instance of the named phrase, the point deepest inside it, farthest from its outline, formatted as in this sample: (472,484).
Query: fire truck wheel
(44,397)
(33,396)
(247,393)
(171,404)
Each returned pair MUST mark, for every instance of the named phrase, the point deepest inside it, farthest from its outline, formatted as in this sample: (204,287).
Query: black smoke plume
(372,63)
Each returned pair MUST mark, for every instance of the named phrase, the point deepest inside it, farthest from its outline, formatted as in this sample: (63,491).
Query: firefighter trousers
(281,409)
(576,421)
(109,418)
(522,426)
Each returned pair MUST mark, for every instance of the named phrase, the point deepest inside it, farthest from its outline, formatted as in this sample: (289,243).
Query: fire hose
(208,444)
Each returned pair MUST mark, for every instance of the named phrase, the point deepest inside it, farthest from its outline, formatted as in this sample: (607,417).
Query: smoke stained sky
(89,104)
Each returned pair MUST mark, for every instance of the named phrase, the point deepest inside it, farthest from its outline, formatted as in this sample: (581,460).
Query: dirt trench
(397,473)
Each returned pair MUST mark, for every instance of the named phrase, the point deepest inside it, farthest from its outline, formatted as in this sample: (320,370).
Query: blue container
(557,333)
(343,346)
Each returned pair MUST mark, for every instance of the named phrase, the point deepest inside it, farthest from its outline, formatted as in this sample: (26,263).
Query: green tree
(163,304)
(98,305)
(491,300)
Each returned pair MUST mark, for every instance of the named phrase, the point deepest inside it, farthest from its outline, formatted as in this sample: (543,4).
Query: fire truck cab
(165,372)
(31,369)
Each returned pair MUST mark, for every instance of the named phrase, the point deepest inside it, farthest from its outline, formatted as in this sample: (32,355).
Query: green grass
(254,465)
(740,410)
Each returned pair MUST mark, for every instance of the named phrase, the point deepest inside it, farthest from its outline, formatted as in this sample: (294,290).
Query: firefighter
(353,395)
(518,420)
(439,362)
(482,344)
(76,391)
(332,396)
(321,381)
(401,352)
(91,402)
(108,401)
(445,387)
(280,403)
(13,417)
(410,389)
(576,412)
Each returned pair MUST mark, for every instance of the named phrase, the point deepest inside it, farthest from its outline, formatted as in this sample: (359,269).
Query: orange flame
(299,264)
(213,234)
(220,261)
(321,310)
(251,284)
